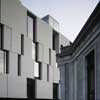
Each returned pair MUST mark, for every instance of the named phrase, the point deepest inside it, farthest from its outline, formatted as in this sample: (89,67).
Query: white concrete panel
(0,36)
(30,27)
(14,41)
(51,74)
(56,75)
(3,11)
(13,64)
(44,71)
(26,59)
(44,90)
(7,38)
(44,33)
(40,52)
(3,85)
(17,87)
(19,43)
(53,58)
(36,69)
(46,55)
(16,16)
(33,52)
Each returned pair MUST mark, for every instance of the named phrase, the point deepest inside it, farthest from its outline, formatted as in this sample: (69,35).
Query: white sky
(71,14)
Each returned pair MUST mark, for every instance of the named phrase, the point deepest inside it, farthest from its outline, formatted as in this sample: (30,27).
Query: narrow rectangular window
(34,29)
(47,72)
(40,70)
(22,44)
(53,42)
(50,56)
(19,65)
(36,51)
(55,91)
(7,61)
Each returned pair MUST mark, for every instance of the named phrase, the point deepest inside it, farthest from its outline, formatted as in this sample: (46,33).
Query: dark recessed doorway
(90,59)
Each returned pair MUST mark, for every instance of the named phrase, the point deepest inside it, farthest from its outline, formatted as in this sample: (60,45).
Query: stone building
(28,67)
(79,63)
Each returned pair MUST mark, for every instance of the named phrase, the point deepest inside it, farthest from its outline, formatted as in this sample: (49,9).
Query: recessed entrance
(90,59)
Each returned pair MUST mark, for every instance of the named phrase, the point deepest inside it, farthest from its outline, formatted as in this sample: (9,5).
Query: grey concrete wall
(44,89)
(44,33)
(14,18)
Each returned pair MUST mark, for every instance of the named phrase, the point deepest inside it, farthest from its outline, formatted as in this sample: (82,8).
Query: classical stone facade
(79,63)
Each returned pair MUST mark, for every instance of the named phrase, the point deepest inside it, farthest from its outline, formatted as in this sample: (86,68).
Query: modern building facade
(58,38)
(79,63)
(28,67)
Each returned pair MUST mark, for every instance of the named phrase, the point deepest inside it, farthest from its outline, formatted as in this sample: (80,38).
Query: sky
(71,14)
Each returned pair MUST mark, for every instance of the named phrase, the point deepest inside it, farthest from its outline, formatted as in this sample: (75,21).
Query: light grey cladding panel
(0,36)
(16,15)
(44,71)
(16,42)
(40,52)
(53,58)
(97,69)
(7,38)
(46,55)
(30,27)
(56,75)
(3,11)
(13,64)
(26,59)
(44,90)
(33,51)
(17,87)
(19,43)
(3,85)
(36,69)
(44,33)
(50,74)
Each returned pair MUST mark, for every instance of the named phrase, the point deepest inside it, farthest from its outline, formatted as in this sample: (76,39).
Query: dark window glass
(7,61)
(47,72)
(90,58)
(19,65)
(22,44)
(31,88)
(55,91)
